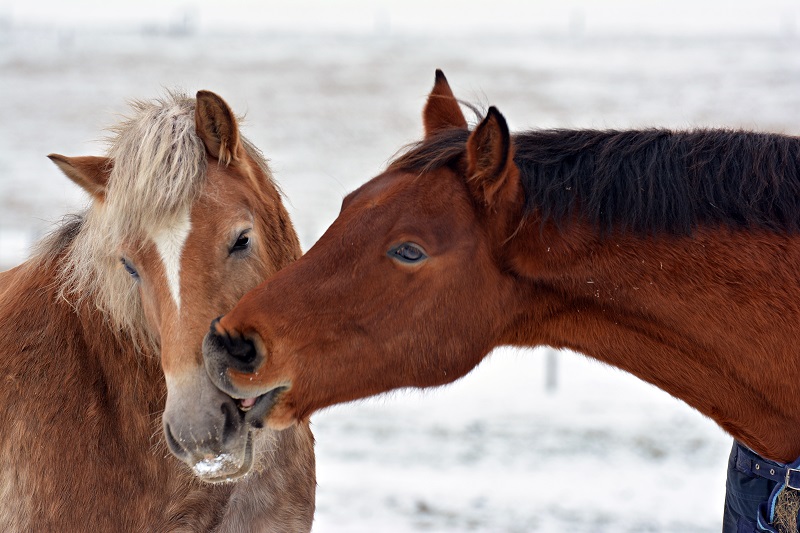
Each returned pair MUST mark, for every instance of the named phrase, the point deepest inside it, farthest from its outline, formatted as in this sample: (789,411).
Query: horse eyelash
(244,247)
(129,268)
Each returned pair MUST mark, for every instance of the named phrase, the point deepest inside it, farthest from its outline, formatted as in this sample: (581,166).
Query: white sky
(655,16)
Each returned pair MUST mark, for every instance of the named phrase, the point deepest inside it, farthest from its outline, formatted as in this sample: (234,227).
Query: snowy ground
(494,452)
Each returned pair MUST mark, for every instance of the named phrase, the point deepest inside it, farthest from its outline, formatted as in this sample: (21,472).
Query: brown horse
(184,219)
(671,255)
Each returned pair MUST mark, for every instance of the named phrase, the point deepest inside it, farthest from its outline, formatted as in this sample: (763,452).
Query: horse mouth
(245,404)
(257,409)
(224,467)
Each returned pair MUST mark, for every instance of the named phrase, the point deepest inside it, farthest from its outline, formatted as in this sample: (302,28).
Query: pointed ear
(442,110)
(89,172)
(492,176)
(216,125)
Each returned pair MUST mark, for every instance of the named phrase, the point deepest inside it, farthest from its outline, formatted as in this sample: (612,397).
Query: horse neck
(78,336)
(707,318)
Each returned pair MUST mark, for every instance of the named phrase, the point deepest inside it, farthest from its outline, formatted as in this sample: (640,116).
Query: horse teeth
(246,404)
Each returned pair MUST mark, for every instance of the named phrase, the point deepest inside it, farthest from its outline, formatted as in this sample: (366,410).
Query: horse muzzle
(207,430)
(234,363)
(223,350)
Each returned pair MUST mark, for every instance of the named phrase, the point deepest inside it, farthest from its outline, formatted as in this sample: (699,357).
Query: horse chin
(281,417)
(224,467)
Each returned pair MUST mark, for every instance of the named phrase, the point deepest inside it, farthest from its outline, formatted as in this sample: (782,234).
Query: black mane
(647,181)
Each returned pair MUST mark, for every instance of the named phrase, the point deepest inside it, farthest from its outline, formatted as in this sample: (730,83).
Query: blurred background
(532,440)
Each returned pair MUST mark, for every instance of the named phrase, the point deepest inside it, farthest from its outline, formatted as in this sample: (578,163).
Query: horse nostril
(242,350)
(232,419)
(173,443)
(239,348)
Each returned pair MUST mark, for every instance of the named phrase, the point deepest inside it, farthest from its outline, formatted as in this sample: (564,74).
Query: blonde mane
(159,170)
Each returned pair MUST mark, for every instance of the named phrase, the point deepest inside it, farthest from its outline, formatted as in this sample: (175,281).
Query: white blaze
(169,242)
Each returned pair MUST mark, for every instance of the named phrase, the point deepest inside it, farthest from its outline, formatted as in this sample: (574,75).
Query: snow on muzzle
(206,429)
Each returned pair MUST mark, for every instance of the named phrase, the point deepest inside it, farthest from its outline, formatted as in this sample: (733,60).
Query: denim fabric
(745,491)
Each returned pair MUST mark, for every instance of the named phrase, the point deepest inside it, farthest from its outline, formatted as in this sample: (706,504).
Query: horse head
(398,292)
(205,225)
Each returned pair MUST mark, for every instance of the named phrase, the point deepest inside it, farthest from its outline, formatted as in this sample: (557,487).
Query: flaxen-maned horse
(184,219)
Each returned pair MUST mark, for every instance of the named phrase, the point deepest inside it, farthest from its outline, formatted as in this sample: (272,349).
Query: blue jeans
(745,490)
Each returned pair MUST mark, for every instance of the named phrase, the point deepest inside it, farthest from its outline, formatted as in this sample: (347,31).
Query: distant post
(551,371)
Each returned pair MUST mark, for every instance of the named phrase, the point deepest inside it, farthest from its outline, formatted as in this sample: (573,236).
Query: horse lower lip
(210,471)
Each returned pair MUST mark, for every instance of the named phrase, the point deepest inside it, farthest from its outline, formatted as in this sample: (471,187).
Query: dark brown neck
(709,319)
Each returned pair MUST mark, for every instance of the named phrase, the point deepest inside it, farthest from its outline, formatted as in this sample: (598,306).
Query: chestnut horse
(184,219)
(671,255)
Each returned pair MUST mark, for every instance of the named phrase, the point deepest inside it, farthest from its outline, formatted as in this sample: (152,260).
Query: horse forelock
(159,171)
(159,167)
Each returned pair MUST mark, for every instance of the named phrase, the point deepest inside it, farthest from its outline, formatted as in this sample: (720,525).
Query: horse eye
(408,252)
(129,268)
(242,242)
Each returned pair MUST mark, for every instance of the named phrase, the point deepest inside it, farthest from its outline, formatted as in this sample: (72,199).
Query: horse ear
(216,125)
(492,176)
(442,110)
(89,172)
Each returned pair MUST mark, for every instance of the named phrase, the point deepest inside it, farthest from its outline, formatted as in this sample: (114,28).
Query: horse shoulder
(24,396)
